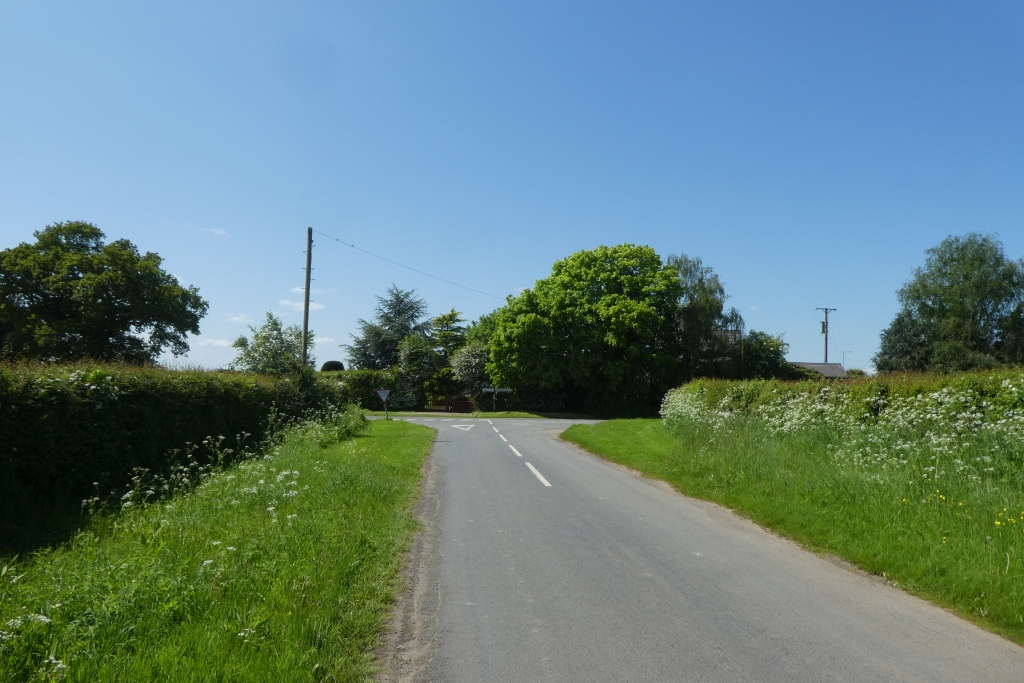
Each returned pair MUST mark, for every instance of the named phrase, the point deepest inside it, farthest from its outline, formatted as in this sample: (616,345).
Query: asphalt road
(539,562)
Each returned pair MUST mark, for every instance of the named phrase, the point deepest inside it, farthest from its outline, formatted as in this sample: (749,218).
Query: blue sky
(809,152)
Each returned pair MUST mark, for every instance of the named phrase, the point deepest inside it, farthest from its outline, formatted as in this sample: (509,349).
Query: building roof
(830,370)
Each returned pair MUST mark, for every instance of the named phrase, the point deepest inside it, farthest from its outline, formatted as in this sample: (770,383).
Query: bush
(72,432)
(332,366)
(361,388)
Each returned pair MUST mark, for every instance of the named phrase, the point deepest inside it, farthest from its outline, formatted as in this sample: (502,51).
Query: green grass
(941,542)
(497,415)
(278,569)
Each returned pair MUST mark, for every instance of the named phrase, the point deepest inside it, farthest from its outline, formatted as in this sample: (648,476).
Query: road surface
(539,562)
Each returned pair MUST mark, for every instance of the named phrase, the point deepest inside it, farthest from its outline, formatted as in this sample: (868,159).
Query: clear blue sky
(809,152)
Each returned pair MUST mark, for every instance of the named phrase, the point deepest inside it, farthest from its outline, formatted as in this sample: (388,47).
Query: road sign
(494,398)
(383,393)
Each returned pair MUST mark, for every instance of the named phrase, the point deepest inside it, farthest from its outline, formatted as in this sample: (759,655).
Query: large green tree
(963,309)
(70,296)
(601,326)
(377,346)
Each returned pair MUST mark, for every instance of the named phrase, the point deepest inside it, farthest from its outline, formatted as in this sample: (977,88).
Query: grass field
(956,540)
(277,569)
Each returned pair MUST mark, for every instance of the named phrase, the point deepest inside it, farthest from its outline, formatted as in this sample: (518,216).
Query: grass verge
(477,413)
(952,545)
(278,569)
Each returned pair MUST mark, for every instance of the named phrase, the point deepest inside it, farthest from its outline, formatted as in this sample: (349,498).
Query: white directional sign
(464,428)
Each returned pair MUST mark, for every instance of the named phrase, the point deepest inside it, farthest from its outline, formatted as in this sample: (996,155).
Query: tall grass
(276,569)
(927,490)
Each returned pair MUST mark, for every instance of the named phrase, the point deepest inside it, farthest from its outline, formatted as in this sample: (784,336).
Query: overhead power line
(402,265)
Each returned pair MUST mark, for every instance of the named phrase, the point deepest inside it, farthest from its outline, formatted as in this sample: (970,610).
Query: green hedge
(864,393)
(71,432)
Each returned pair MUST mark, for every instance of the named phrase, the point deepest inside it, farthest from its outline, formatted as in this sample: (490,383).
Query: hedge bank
(866,397)
(72,432)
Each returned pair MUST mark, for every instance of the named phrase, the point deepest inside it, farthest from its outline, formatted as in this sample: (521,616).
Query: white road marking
(515,451)
(539,475)
(503,438)
(495,429)
(489,422)
(464,428)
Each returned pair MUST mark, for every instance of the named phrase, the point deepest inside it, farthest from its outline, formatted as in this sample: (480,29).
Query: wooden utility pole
(305,303)
(824,328)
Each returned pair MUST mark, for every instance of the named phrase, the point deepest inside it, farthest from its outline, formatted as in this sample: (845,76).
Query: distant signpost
(494,398)
(383,393)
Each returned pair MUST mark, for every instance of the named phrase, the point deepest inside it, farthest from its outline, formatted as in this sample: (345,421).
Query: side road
(539,562)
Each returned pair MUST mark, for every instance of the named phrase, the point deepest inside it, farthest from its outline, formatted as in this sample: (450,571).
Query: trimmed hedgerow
(73,432)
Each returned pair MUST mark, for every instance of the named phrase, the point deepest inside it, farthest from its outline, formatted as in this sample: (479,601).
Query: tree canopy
(962,309)
(377,346)
(273,349)
(703,324)
(602,324)
(69,296)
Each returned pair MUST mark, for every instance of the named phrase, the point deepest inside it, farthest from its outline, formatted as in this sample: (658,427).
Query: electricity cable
(402,265)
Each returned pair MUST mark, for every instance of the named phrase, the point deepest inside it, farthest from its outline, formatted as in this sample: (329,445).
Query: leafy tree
(764,357)
(273,350)
(482,329)
(905,345)
(469,367)
(601,326)
(69,296)
(397,316)
(707,334)
(419,362)
(332,366)
(448,334)
(958,311)
(1010,347)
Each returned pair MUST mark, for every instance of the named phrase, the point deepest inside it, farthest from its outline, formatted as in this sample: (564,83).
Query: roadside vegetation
(280,568)
(608,332)
(78,430)
(915,478)
(963,310)
(478,414)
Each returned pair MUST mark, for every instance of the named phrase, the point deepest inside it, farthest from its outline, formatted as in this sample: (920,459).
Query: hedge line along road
(539,562)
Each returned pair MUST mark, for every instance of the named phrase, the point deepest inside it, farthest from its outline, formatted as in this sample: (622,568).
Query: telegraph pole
(305,304)
(824,328)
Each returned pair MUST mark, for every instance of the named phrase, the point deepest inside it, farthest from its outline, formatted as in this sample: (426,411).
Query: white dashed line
(539,475)
(494,428)
(503,438)
(489,422)
(515,451)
